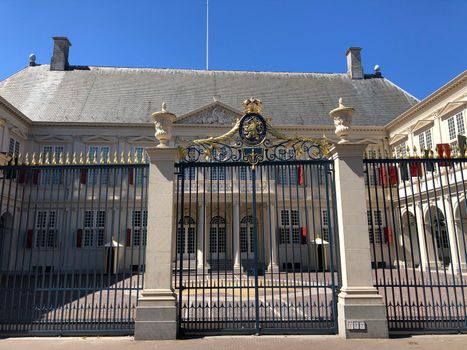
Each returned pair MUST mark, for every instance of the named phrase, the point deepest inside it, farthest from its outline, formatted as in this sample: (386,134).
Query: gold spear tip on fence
(129,157)
(81,160)
(26,160)
(122,158)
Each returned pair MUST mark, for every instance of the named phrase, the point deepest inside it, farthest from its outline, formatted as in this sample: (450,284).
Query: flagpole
(207,34)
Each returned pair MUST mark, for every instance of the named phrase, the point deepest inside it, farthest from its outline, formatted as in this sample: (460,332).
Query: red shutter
(382,176)
(303,234)
(79,238)
(35,176)
(29,236)
(416,169)
(131,176)
(128,237)
(300,175)
(444,151)
(84,174)
(393,175)
(21,176)
(387,235)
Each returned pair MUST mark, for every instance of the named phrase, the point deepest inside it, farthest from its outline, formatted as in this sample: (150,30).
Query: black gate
(256,241)
(417,216)
(72,244)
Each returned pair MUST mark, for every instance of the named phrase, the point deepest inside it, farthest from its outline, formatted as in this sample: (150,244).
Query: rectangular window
(46,234)
(401,150)
(98,154)
(245,173)
(425,140)
(218,174)
(94,228)
(456,126)
(51,154)
(14,147)
(289,230)
(139,222)
(374,226)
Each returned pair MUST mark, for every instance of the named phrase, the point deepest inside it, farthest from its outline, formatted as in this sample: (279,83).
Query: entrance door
(186,237)
(217,239)
(247,248)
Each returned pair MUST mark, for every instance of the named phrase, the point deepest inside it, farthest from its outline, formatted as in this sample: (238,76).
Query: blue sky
(420,44)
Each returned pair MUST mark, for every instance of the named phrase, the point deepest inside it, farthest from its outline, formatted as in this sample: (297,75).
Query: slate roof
(130,95)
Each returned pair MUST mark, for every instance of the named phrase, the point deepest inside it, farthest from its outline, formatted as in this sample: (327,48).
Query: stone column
(452,236)
(156,312)
(201,238)
(358,300)
(236,234)
(422,237)
(273,263)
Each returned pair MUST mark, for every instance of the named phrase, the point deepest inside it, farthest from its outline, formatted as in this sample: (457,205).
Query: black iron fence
(72,246)
(256,247)
(417,218)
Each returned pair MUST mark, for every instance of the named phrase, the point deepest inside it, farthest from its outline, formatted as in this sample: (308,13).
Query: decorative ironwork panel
(417,217)
(72,244)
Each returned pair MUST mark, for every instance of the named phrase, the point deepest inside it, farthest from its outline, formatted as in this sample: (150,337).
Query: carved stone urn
(342,117)
(163,121)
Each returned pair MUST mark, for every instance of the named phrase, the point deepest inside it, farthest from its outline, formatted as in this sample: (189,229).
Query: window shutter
(29,236)
(300,177)
(21,176)
(404,171)
(393,175)
(416,169)
(387,235)
(128,237)
(35,176)
(79,238)
(303,235)
(444,151)
(84,174)
(382,176)
(131,176)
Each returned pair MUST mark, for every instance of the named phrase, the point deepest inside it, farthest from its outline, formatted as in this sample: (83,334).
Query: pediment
(141,140)
(215,113)
(53,139)
(99,139)
(19,133)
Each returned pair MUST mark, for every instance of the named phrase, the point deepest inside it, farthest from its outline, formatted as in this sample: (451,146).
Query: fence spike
(101,159)
(122,158)
(136,159)
(26,160)
(129,157)
(94,158)
(20,160)
(81,161)
(88,159)
(67,158)
(54,158)
(40,159)
(115,158)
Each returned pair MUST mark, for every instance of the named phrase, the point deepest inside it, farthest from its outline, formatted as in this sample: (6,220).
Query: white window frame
(94,228)
(14,147)
(289,228)
(455,126)
(139,224)
(94,174)
(46,229)
(375,226)
(52,175)
(425,140)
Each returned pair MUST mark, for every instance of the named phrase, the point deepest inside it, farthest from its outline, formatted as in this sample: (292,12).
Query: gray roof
(130,95)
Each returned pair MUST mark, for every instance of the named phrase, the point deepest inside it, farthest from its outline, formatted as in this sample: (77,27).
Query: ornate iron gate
(72,244)
(256,247)
(417,212)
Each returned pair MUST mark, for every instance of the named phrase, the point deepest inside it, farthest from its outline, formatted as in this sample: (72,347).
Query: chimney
(59,59)
(354,63)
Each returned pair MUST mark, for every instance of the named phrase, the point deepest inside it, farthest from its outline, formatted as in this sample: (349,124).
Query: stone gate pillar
(361,310)
(156,311)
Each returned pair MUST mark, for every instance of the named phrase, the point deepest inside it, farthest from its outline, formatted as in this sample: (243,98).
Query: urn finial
(163,121)
(342,116)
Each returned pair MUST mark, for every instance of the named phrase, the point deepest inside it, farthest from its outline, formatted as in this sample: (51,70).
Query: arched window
(186,245)
(246,234)
(217,240)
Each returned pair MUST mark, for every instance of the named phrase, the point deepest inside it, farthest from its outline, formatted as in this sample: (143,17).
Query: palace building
(74,194)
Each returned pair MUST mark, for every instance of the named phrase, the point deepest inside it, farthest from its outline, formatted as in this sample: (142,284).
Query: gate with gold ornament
(256,240)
